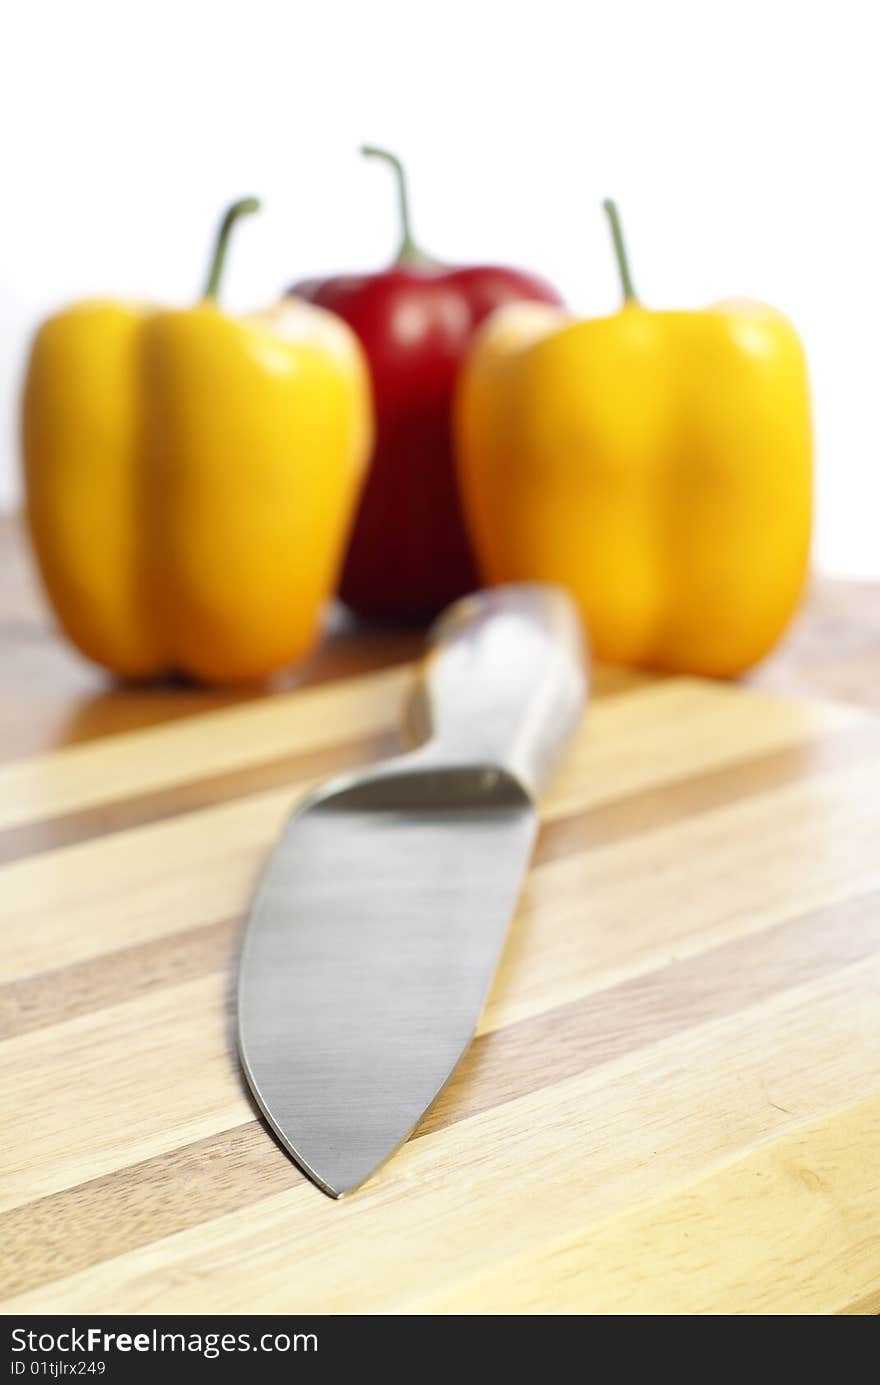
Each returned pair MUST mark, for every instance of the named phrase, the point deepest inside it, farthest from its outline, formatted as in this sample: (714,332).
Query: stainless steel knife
(375,932)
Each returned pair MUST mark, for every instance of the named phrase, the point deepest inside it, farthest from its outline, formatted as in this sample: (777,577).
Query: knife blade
(376,929)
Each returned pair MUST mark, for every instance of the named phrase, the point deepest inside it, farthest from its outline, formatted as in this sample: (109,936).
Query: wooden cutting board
(673,1103)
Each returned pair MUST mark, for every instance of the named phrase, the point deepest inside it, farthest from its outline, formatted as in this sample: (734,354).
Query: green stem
(244,207)
(629,293)
(410,252)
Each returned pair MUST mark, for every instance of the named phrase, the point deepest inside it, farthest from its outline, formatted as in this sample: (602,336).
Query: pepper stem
(629,293)
(409,252)
(244,207)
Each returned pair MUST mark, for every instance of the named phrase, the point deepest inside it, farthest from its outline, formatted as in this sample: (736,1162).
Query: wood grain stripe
(867,1307)
(121,815)
(68,1230)
(56,1235)
(220,742)
(677,800)
(53,997)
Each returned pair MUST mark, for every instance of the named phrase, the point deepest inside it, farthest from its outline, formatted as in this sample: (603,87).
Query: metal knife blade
(376,930)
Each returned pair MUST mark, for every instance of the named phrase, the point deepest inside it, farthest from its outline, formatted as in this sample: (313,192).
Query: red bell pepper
(409,553)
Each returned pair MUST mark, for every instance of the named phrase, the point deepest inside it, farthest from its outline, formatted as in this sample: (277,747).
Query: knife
(376,929)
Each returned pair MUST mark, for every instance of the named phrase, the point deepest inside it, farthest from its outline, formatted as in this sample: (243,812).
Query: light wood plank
(791,1228)
(118,1085)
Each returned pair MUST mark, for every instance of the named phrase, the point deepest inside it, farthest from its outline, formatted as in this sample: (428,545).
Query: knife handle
(504,683)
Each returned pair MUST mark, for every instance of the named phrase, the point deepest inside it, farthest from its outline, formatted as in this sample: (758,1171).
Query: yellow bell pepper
(658,464)
(191,478)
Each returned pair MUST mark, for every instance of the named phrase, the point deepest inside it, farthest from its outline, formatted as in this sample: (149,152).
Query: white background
(740,139)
